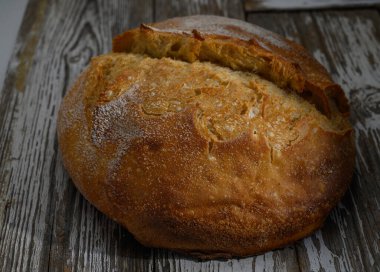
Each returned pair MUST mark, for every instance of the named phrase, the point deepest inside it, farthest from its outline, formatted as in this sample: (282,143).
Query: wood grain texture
(46,225)
(347,43)
(262,5)
(173,8)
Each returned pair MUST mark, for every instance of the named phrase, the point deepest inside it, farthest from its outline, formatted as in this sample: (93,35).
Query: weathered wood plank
(172,8)
(19,215)
(278,260)
(347,43)
(45,223)
(262,5)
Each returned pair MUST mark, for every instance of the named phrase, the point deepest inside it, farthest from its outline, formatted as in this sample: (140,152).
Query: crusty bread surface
(217,139)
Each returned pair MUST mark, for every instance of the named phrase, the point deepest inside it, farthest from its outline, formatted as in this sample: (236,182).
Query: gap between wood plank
(307,5)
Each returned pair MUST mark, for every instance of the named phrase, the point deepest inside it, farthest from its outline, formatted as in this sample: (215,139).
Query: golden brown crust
(176,179)
(239,45)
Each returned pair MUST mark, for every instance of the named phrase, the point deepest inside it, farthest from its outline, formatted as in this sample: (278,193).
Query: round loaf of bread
(208,135)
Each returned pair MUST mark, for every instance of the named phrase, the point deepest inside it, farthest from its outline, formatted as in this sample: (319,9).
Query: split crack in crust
(228,102)
(240,46)
(200,157)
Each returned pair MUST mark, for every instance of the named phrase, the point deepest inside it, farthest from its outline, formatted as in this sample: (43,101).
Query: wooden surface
(11,13)
(46,225)
(260,5)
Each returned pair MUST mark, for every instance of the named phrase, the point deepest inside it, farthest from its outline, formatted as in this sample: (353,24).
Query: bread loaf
(209,136)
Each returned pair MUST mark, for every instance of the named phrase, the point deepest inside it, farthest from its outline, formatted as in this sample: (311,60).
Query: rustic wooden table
(46,225)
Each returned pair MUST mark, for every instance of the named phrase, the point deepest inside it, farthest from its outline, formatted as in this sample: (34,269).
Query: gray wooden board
(171,8)
(45,224)
(261,5)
